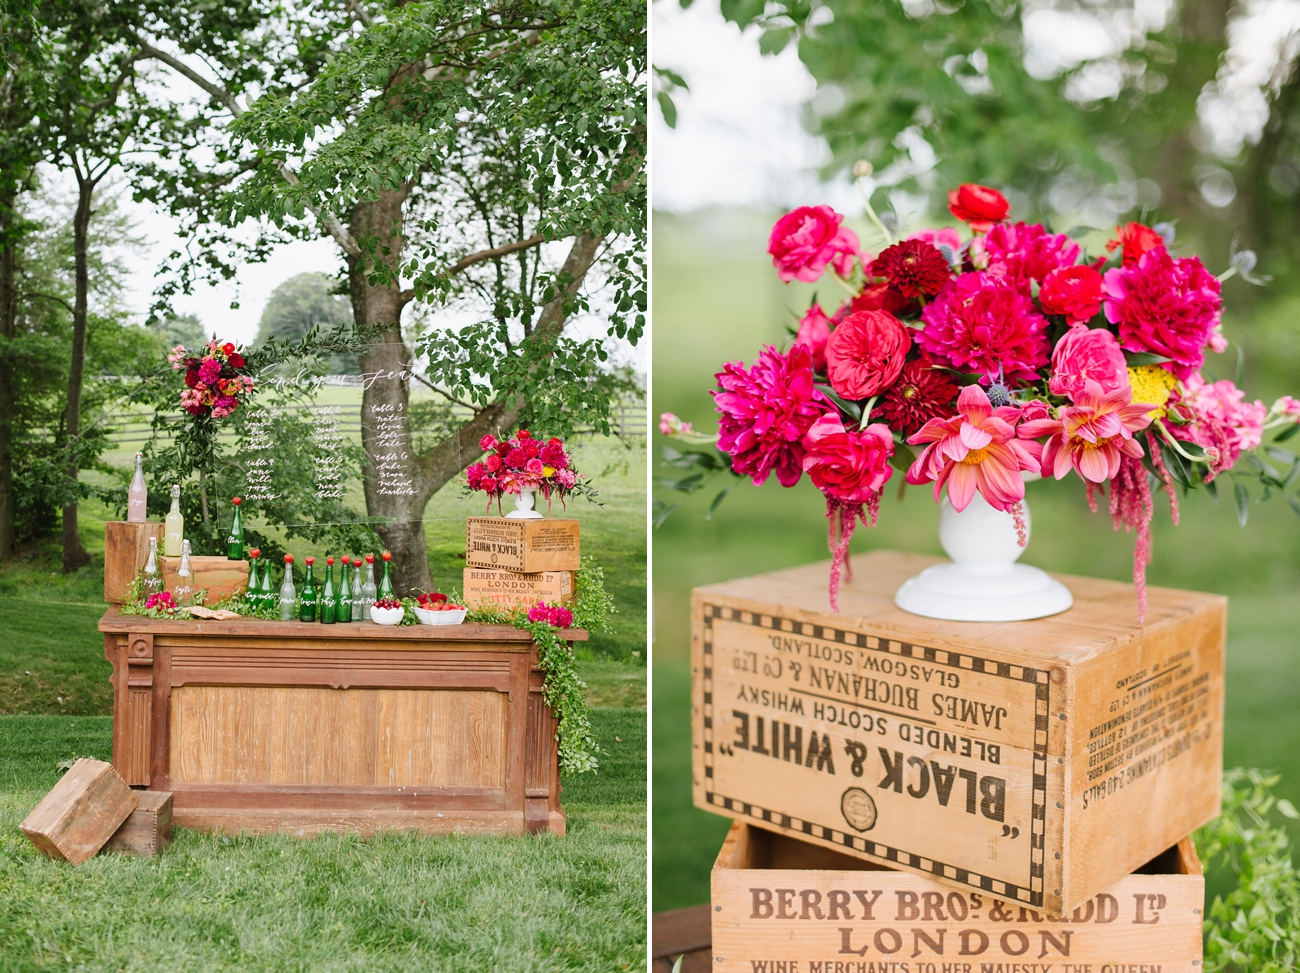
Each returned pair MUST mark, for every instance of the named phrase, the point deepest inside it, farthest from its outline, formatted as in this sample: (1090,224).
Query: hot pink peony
(766,412)
(1166,306)
(977,449)
(804,241)
(814,332)
(865,353)
(1026,251)
(1075,292)
(1083,354)
(1222,422)
(849,466)
(209,371)
(1092,435)
(985,324)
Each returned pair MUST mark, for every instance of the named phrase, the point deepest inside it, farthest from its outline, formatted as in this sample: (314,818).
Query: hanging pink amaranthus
(1131,508)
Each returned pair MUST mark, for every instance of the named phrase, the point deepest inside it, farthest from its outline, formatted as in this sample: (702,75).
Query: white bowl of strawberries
(435,609)
(387,611)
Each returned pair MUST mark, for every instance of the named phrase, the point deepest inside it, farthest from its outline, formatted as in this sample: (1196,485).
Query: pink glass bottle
(137,497)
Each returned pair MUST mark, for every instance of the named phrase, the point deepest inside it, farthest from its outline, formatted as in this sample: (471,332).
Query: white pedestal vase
(524,505)
(983,583)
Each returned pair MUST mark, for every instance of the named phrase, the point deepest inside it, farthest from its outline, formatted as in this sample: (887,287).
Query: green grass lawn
(715,300)
(394,902)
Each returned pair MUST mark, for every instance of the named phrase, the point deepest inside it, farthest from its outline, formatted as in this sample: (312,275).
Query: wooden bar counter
(267,726)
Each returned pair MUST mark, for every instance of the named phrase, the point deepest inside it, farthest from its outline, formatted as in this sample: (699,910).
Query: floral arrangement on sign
(216,380)
(1005,353)
(523,463)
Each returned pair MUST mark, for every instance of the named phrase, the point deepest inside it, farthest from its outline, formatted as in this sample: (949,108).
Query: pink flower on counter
(985,324)
(1092,435)
(555,615)
(814,332)
(1075,292)
(977,449)
(766,411)
(1085,354)
(804,241)
(1166,306)
(865,353)
(848,465)
(1222,422)
(1026,251)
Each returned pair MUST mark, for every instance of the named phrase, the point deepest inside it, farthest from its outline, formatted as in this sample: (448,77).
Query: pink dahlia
(1026,251)
(1085,353)
(985,324)
(977,449)
(804,241)
(1093,435)
(766,412)
(847,465)
(1164,305)
(814,332)
(1221,421)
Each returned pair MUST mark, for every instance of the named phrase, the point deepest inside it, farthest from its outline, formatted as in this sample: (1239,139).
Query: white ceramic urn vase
(524,503)
(983,583)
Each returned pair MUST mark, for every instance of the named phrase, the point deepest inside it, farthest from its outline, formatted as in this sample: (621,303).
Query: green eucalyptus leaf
(1242,497)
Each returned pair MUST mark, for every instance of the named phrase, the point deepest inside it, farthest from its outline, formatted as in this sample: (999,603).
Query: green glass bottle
(345,590)
(329,599)
(235,542)
(309,599)
(253,589)
(386,582)
(266,596)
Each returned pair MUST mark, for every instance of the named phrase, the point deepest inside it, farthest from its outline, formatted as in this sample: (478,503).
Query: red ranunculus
(865,353)
(814,332)
(236,360)
(978,206)
(1136,239)
(228,348)
(1075,292)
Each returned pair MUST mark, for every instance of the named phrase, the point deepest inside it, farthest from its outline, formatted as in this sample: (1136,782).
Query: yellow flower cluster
(1152,385)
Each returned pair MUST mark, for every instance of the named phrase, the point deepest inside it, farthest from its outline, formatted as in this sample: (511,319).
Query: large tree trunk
(391,476)
(74,554)
(8,394)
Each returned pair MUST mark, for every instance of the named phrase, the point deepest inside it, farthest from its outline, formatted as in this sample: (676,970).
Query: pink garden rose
(865,353)
(804,241)
(1222,422)
(1085,353)
(1026,251)
(977,449)
(814,332)
(1164,305)
(766,411)
(845,465)
(985,324)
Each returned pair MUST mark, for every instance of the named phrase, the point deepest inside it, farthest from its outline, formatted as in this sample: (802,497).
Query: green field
(716,300)
(395,902)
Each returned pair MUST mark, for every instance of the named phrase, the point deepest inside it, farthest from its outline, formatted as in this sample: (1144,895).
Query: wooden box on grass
(1036,761)
(126,551)
(221,576)
(508,589)
(522,545)
(81,812)
(148,829)
(780,904)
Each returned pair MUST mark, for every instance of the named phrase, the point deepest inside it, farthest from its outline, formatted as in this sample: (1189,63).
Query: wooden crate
(511,588)
(126,551)
(783,904)
(521,545)
(148,829)
(221,576)
(1038,761)
(81,812)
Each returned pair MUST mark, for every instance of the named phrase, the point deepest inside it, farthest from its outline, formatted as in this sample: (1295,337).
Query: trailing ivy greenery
(1256,927)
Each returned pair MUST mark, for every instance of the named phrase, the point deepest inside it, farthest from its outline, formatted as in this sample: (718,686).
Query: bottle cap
(311,560)
(388,555)
(236,501)
(176,490)
(254,552)
(345,559)
(288,559)
(330,560)
(370,559)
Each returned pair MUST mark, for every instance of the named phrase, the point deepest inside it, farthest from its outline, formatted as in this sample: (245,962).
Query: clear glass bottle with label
(183,591)
(151,580)
(288,594)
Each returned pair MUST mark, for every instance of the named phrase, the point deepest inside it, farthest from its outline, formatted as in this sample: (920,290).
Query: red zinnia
(912,267)
(921,393)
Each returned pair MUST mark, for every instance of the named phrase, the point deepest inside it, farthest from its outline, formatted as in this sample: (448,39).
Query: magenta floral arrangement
(216,381)
(522,462)
(1007,353)
(557,616)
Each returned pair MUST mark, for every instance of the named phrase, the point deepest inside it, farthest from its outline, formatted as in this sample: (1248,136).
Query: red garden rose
(804,241)
(912,267)
(1075,292)
(978,206)
(865,353)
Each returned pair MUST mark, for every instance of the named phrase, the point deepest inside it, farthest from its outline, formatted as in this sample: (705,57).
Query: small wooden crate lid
(81,812)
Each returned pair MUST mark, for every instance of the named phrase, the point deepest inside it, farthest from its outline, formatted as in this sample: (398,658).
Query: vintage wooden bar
(1038,761)
(267,726)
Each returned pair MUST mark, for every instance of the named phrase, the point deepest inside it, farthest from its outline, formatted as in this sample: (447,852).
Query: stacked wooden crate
(912,788)
(511,562)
